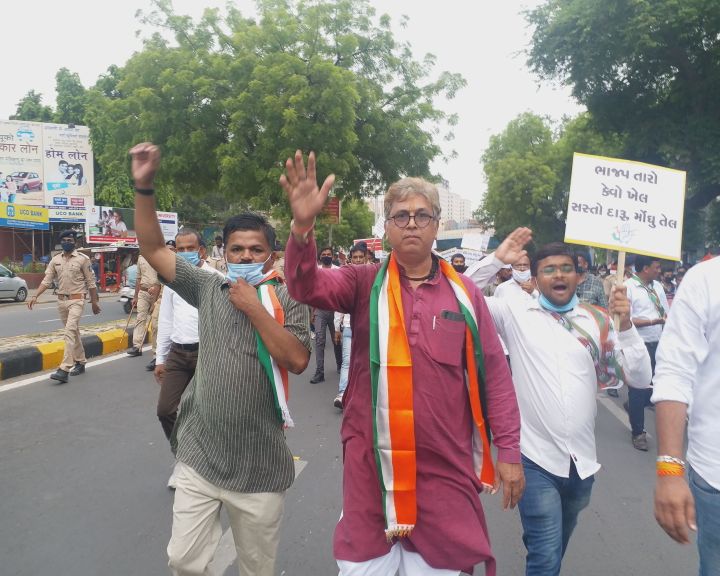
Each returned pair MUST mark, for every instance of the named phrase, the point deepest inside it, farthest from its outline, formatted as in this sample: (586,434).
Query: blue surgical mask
(192,257)
(545,303)
(252,273)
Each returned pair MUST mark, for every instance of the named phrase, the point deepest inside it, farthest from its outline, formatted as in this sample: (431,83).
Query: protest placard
(626,206)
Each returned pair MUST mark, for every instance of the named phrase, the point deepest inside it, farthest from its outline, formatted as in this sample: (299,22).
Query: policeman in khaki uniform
(74,276)
(156,316)
(147,288)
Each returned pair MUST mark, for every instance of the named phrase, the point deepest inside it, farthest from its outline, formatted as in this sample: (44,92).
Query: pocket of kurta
(447,341)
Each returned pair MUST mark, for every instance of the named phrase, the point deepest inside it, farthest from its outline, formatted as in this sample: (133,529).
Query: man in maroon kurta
(450,531)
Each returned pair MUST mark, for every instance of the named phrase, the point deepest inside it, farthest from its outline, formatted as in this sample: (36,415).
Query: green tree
(70,98)
(231,98)
(648,70)
(356,221)
(31,109)
(528,168)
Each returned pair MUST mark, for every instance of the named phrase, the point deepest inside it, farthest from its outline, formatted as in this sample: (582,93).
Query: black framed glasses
(402,219)
(563,268)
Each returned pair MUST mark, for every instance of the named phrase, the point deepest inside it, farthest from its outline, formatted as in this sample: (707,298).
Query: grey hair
(406,187)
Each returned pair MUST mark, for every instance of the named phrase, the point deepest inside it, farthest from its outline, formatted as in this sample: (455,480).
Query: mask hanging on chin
(521,276)
(252,273)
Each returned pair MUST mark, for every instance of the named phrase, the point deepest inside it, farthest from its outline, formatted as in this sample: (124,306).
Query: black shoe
(614,393)
(317,378)
(134,352)
(151,367)
(60,375)
(77,369)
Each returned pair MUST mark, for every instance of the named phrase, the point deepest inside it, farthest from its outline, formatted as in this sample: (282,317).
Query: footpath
(31,353)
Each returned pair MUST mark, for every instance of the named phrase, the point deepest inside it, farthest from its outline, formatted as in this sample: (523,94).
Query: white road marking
(225,554)
(58,319)
(617,411)
(45,376)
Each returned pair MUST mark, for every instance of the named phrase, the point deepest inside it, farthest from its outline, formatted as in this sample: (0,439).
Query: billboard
(46,165)
(112,225)
(21,167)
(21,216)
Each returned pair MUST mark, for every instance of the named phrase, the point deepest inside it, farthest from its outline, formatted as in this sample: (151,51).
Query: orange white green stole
(278,376)
(391,376)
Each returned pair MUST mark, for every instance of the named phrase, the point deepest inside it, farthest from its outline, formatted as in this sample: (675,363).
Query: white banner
(625,205)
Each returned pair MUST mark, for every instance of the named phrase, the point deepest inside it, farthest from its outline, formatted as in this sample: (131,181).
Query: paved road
(17,320)
(83,469)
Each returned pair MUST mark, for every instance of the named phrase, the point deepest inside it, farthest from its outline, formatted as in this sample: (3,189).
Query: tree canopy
(232,97)
(648,70)
(528,168)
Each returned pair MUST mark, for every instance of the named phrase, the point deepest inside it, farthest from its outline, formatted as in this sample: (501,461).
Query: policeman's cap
(68,234)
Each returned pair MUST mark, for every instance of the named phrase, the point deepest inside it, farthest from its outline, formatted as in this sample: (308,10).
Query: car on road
(27,181)
(12,286)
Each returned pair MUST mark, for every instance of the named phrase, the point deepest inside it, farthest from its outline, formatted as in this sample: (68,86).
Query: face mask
(545,303)
(521,276)
(67,246)
(192,257)
(326,260)
(252,273)
(459,268)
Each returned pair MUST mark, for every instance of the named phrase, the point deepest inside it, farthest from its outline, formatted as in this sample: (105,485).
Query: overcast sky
(484,41)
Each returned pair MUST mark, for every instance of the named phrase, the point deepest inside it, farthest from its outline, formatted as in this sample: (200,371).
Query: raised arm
(145,164)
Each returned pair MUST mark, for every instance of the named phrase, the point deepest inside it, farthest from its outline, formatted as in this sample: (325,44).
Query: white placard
(625,205)
(475,241)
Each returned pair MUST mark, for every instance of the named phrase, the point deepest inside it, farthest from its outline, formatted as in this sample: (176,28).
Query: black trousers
(179,369)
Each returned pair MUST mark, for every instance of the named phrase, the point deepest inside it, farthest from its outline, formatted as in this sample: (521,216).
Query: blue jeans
(707,510)
(549,510)
(345,369)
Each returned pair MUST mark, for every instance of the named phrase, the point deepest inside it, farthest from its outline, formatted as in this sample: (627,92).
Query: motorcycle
(126,297)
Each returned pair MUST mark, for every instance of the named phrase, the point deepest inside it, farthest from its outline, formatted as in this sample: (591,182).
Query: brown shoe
(640,442)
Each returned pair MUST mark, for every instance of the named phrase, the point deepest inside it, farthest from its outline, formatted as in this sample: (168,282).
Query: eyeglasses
(402,219)
(564,269)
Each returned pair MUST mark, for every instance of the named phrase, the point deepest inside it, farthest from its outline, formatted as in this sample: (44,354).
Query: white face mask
(521,276)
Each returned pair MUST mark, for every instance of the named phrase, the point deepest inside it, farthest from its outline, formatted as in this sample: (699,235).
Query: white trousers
(397,561)
(254,520)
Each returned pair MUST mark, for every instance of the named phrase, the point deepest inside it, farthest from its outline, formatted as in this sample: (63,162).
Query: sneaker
(317,378)
(134,352)
(60,375)
(338,402)
(77,369)
(640,442)
(172,481)
(151,366)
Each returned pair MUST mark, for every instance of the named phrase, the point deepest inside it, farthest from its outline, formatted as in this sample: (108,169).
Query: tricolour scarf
(391,374)
(278,376)
(654,298)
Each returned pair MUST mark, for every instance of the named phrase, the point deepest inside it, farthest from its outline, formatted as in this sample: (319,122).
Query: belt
(187,347)
(142,289)
(71,296)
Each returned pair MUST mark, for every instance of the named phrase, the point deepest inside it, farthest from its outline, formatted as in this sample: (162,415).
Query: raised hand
(300,185)
(513,247)
(145,164)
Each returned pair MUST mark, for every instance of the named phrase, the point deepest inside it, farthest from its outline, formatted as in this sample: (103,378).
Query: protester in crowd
(343,330)
(410,491)
(155,316)
(458,262)
(649,311)
(228,438)
(218,250)
(147,289)
(688,375)
(323,322)
(71,272)
(602,271)
(679,276)
(590,288)
(178,341)
(503,275)
(667,279)
(521,284)
(561,352)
